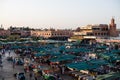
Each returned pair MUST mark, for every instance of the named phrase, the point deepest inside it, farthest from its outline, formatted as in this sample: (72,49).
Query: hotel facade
(96,31)
(53,34)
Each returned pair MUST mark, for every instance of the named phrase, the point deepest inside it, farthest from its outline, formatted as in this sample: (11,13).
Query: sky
(59,14)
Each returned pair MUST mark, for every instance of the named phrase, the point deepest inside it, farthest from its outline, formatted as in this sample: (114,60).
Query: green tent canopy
(15,47)
(99,62)
(115,51)
(82,66)
(108,56)
(52,53)
(115,58)
(62,58)
(40,54)
(101,47)
(78,66)
(77,50)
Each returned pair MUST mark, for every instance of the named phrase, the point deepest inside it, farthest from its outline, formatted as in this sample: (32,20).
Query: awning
(62,58)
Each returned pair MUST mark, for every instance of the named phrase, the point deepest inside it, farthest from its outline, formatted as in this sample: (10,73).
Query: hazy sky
(58,13)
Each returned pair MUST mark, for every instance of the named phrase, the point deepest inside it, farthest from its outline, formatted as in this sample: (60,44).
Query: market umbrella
(115,51)
(99,62)
(52,53)
(101,47)
(78,66)
(40,54)
(62,58)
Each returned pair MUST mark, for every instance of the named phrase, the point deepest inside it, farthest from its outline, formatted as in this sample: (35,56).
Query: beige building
(96,31)
(92,31)
(52,34)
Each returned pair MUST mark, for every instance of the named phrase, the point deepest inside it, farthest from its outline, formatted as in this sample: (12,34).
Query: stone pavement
(8,71)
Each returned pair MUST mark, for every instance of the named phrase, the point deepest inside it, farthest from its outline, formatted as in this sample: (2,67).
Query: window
(89,34)
(104,33)
(103,29)
(98,34)
(106,29)
(95,28)
(95,34)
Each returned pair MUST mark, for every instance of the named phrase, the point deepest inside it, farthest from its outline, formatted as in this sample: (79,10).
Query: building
(112,28)
(20,31)
(52,34)
(46,33)
(93,31)
(96,31)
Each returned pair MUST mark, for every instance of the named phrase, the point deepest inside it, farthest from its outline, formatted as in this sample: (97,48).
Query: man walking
(30,75)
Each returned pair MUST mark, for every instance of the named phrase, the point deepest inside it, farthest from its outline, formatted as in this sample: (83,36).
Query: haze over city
(63,14)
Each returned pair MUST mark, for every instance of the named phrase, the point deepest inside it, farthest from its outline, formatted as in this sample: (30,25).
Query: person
(25,70)
(9,53)
(14,62)
(58,77)
(63,69)
(3,52)
(0,56)
(30,75)
(35,77)
(13,65)
(16,75)
(1,63)
(22,77)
